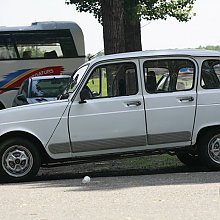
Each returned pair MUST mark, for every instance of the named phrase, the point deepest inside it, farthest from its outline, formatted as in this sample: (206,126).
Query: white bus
(44,48)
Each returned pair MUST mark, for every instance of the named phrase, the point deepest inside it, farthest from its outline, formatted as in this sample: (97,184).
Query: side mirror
(22,98)
(63,96)
(83,97)
(85,94)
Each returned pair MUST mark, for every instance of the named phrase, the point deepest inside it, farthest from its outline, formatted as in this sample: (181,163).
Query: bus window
(7,49)
(45,44)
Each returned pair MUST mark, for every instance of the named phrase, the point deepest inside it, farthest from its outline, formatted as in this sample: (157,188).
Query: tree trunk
(132,36)
(113,26)
(121,27)
(132,27)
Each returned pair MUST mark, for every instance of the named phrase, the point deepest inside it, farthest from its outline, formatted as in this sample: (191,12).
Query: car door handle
(134,103)
(186,99)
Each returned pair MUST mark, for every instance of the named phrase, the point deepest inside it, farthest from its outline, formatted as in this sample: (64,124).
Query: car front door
(109,117)
(170,100)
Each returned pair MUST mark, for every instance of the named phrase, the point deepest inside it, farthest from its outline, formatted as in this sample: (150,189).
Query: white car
(41,89)
(124,104)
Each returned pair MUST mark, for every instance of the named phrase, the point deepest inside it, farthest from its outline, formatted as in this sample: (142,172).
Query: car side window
(169,75)
(111,80)
(210,74)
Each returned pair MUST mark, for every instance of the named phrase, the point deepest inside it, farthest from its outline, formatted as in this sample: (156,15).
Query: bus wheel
(209,149)
(20,160)
(2,106)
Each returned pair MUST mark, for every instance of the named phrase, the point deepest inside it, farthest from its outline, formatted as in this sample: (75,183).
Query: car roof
(158,53)
(50,77)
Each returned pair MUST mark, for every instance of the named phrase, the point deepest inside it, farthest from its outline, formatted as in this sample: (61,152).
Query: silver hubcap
(17,161)
(214,149)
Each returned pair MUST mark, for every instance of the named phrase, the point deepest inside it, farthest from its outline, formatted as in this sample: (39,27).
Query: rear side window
(169,75)
(210,74)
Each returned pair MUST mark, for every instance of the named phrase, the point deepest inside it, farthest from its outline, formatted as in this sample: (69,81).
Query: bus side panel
(14,72)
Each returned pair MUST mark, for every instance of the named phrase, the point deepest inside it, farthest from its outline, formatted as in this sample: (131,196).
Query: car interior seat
(151,82)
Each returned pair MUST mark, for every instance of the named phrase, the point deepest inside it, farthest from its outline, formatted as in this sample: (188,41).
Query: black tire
(209,149)
(190,159)
(20,160)
(2,106)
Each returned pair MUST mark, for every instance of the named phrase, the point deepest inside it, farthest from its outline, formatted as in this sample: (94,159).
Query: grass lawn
(144,162)
(155,162)
(127,166)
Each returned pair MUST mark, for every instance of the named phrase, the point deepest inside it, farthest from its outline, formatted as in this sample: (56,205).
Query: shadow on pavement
(128,178)
(109,179)
(120,176)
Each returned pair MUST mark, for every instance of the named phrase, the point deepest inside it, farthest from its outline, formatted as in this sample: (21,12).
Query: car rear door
(170,100)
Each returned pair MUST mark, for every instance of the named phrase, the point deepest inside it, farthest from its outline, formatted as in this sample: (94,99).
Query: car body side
(37,120)
(49,121)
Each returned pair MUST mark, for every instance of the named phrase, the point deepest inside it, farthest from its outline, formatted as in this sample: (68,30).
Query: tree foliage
(210,47)
(91,6)
(121,18)
(144,9)
(162,9)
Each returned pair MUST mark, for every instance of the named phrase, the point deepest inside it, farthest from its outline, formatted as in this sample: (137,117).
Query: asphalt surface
(117,190)
(167,196)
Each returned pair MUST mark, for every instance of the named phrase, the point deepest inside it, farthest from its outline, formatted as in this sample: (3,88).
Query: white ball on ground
(86,179)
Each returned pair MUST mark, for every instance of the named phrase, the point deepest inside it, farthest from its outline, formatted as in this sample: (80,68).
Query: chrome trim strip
(165,138)
(123,142)
(59,148)
(112,143)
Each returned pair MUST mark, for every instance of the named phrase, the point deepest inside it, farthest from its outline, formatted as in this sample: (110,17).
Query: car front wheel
(20,160)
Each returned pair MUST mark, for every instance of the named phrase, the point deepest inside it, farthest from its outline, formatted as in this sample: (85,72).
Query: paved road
(158,196)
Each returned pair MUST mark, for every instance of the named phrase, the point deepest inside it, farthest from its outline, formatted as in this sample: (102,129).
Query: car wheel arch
(44,156)
(206,129)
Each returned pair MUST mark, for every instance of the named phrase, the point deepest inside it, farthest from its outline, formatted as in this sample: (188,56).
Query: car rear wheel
(20,160)
(209,149)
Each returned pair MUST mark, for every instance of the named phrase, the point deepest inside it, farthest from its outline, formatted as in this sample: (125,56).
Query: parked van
(136,104)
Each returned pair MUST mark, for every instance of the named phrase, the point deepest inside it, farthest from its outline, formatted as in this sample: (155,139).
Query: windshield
(76,78)
(48,87)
